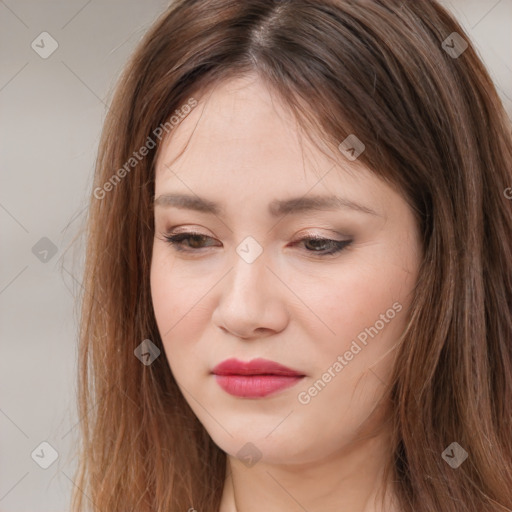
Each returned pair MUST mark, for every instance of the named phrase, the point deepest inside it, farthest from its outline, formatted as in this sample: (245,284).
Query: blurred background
(59,63)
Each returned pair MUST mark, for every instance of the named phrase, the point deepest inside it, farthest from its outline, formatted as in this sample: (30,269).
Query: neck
(348,480)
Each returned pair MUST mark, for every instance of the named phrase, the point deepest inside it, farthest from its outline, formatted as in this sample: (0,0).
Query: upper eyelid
(189,234)
(337,246)
(305,236)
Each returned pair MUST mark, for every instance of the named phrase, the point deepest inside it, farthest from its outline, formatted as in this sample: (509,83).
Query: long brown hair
(394,74)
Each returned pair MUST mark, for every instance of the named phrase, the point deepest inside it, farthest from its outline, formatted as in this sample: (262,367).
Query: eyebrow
(277,207)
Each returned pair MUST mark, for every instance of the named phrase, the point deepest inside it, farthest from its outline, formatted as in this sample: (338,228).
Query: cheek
(172,291)
(352,366)
(163,292)
(365,306)
(180,306)
(169,304)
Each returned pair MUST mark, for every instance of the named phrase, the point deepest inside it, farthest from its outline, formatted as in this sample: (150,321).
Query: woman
(299,267)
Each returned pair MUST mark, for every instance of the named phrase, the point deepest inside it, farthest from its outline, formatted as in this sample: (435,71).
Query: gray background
(52,110)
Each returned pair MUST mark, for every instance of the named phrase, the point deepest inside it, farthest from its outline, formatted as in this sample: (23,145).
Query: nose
(252,302)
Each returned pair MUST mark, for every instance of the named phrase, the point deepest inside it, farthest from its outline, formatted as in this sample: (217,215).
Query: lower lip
(255,386)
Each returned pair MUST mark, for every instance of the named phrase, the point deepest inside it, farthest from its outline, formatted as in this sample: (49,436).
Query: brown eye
(194,241)
(325,246)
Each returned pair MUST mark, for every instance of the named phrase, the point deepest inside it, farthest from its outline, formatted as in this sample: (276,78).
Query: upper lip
(254,367)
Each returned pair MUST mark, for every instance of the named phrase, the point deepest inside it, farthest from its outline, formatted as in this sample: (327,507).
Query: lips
(254,367)
(255,379)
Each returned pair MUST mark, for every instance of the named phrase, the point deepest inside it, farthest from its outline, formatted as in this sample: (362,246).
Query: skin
(290,305)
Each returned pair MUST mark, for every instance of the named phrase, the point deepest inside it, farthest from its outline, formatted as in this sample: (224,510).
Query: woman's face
(254,285)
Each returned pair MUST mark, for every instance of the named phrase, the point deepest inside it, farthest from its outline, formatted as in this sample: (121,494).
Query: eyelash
(176,240)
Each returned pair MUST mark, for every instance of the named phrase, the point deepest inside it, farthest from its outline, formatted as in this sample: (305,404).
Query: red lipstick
(254,379)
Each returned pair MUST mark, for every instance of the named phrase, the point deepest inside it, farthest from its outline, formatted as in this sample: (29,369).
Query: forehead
(237,120)
(241,139)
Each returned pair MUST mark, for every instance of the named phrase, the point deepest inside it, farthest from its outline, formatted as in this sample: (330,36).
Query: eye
(196,241)
(333,246)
